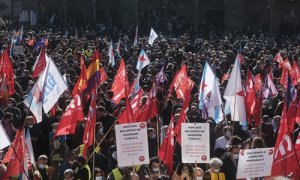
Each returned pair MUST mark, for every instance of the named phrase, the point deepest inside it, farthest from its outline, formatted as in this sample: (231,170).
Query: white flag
(143,60)
(29,147)
(46,91)
(235,94)
(214,107)
(54,86)
(206,85)
(111,54)
(4,140)
(152,36)
(34,98)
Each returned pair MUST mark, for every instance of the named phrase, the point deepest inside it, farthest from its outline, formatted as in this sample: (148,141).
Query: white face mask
(99,178)
(253,136)
(101,130)
(155,169)
(228,134)
(216,170)
(42,166)
(199,178)
(30,126)
(235,156)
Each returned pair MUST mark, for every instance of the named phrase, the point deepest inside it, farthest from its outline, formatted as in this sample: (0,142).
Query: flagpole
(98,144)
(223,111)
(93,173)
(19,160)
(157,134)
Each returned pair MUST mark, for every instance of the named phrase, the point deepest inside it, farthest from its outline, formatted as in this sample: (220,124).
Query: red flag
(3,90)
(182,82)
(166,151)
(15,156)
(71,116)
(183,114)
(285,161)
(172,84)
(257,83)
(53,110)
(40,64)
(135,103)
(241,58)
(7,72)
(225,77)
(297,147)
(31,42)
(297,118)
(89,130)
(295,73)
(284,77)
(149,110)
(257,111)
(250,96)
(127,115)
(278,58)
(103,75)
(81,83)
(119,84)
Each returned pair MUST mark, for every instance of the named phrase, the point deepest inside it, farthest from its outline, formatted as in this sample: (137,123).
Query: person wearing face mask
(198,174)
(82,171)
(68,163)
(38,139)
(152,142)
(247,143)
(42,166)
(99,174)
(230,163)
(214,172)
(155,170)
(224,140)
(11,108)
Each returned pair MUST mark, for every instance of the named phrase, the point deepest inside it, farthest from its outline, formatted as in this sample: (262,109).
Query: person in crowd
(183,171)
(42,166)
(223,141)
(230,163)
(198,173)
(214,172)
(68,174)
(82,169)
(155,170)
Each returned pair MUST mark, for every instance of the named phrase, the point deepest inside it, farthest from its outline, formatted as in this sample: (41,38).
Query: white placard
(195,142)
(18,50)
(132,144)
(255,163)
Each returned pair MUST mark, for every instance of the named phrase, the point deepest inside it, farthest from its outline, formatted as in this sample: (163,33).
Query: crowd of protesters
(61,158)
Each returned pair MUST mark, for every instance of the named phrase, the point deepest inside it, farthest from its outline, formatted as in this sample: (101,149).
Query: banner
(255,163)
(195,142)
(132,144)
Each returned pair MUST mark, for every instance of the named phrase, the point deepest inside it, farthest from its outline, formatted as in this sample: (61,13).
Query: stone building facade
(229,14)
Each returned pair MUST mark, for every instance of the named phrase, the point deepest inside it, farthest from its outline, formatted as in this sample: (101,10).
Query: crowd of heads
(60,157)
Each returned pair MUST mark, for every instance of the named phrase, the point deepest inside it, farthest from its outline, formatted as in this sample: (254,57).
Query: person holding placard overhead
(214,173)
